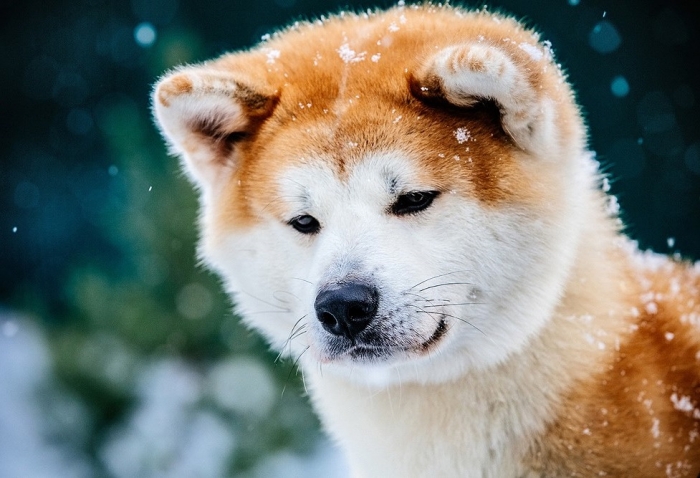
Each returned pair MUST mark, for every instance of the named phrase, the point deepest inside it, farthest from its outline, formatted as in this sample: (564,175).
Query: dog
(403,202)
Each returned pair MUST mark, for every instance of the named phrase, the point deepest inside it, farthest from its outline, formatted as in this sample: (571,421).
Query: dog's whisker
(258,312)
(450,303)
(303,280)
(430,314)
(426,299)
(293,368)
(448,315)
(265,301)
(437,277)
(281,292)
(443,285)
(294,333)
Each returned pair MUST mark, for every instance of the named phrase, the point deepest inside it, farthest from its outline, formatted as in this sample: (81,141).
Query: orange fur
(638,408)
(329,110)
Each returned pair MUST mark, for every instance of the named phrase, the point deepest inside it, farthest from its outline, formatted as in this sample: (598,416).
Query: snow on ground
(25,445)
(166,434)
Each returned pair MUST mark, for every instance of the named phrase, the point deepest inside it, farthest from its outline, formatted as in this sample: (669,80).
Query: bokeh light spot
(604,37)
(243,385)
(194,301)
(619,86)
(145,34)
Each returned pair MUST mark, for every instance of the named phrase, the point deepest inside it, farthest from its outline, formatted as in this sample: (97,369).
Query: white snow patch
(375,58)
(548,48)
(27,447)
(682,403)
(348,55)
(669,336)
(462,135)
(649,260)
(655,427)
(272,55)
(393,27)
(534,52)
(613,206)
(692,319)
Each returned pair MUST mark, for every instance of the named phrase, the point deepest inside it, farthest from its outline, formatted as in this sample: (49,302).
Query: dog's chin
(378,350)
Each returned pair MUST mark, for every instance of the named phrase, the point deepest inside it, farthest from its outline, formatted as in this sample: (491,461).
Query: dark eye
(305,224)
(413,202)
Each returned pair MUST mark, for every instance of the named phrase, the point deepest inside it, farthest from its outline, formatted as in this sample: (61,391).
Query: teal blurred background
(119,355)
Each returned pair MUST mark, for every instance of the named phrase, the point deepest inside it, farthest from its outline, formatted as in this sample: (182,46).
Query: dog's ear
(204,113)
(465,75)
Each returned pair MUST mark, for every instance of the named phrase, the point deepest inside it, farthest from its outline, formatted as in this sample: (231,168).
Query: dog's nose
(347,309)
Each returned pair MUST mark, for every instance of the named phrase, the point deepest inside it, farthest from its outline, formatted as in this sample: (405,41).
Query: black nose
(347,308)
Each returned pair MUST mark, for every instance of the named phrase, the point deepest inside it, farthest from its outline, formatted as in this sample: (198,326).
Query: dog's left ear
(466,74)
(205,113)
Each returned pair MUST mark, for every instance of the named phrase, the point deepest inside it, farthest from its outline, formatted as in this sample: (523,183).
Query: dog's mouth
(378,350)
(439,333)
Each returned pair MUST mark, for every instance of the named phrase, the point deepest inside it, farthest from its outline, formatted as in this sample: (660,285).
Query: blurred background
(119,355)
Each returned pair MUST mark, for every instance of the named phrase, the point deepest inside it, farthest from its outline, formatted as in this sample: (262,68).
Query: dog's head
(392,192)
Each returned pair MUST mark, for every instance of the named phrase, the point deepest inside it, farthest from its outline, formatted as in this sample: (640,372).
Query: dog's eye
(413,202)
(305,224)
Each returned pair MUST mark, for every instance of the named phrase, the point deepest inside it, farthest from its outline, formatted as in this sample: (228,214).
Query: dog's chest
(412,431)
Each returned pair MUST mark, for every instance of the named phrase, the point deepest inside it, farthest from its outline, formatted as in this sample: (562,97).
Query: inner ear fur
(470,75)
(205,113)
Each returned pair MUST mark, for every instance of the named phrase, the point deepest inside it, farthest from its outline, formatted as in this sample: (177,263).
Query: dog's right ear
(204,113)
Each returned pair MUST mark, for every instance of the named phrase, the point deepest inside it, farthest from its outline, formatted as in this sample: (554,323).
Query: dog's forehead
(374,175)
(384,140)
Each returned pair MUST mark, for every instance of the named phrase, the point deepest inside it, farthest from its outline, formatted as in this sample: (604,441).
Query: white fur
(486,391)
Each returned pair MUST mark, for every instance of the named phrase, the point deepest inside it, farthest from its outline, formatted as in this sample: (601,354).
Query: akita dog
(403,201)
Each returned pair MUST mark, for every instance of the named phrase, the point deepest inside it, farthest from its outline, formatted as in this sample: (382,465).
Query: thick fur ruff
(432,161)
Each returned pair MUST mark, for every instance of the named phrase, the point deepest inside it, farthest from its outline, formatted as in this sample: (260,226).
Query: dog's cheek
(263,267)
